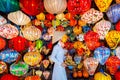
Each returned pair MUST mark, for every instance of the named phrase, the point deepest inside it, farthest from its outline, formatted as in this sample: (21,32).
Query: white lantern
(55,6)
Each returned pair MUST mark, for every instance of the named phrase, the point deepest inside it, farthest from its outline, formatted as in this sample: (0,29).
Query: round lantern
(31,33)
(50,16)
(2,20)
(113,13)
(3,67)
(78,6)
(32,58)
(7,6)
(60,16)
(55,6)
(32,7)
(117,75)
(2,43)
(9,77)
(18,43)
(19,69)
(77,30)
(102,76)
(8,31)
(40,16)
(18,18)
(103,5)
(9,55)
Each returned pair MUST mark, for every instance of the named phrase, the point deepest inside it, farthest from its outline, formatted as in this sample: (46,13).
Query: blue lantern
(102,54)
(9,55)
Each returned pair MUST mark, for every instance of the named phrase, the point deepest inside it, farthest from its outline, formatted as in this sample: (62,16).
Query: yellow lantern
(31,33)
(102,76)
(32,58)
(64,38)
(60,16)
(103,5)
(78,45)
(77,30)
(55,6)
(55,22)
(40,16)
(113,38)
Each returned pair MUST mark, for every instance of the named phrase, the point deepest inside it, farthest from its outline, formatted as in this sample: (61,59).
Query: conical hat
(57,36)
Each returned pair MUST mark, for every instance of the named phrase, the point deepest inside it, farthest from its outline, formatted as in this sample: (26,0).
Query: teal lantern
(7,6)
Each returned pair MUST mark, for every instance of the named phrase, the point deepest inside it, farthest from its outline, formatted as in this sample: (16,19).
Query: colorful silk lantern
(2,20)
(36,77)
(3,67)
(91,65)
(55,6)
(112,64)
(32,7)
(113,13)
(8,31)
(92,16)
(101,54)
(77,59)
(46,74)
(117,75)
(103,5)
(19,69)
(32,58)
(45,63)
(7,6)
(55,22)
(117,1)
(39,44)
(102,28)
(77,30)
(9,77)
(31,33)
(8,55)
(117,26)
(19,18)
(117,52)
(18,43)
(113,38)
(60,16)
(2,43)
(102,76)
(91,36)
(46,37)
(40,16)
(80,37)
(78,6)
(50,16)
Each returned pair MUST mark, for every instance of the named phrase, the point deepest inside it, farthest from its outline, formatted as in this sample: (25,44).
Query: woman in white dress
(57,56)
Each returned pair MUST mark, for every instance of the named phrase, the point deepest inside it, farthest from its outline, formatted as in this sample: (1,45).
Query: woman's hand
(64,65)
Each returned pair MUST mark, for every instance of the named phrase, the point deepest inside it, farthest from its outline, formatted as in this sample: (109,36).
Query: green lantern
(39,44)
(19,69)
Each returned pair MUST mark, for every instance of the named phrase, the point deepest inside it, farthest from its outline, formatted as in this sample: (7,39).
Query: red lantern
(117,75)
(32,7)
(49,45)
(50,17)
(2,43)
(117,26)
(9,77)
(112,64)
(80,51)
(18,43)
(68,45)
(78,6)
